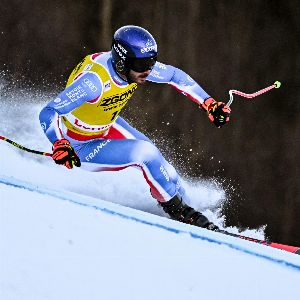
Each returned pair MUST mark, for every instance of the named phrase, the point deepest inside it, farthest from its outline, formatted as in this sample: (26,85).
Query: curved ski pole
(24,148)
(292,249)
(276,85)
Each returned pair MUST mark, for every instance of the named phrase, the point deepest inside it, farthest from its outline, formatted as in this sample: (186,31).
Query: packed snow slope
(56,244)
(79,235)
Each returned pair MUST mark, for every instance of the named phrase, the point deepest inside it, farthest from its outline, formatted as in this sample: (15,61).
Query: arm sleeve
(86,88)
(180,80)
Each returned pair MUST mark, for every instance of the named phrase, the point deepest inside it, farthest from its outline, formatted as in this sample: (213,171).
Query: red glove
(64,154)
(218,112)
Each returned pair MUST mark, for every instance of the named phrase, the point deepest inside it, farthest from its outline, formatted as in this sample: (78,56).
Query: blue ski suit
(87,114)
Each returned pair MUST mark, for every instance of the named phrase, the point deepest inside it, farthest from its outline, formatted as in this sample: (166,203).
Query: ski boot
(180,211)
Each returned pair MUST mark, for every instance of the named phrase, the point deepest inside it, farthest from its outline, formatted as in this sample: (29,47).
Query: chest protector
(93,118)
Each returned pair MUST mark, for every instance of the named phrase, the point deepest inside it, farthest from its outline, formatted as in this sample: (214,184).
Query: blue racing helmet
(133,48)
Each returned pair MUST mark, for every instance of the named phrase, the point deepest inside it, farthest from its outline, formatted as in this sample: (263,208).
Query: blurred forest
(229,44)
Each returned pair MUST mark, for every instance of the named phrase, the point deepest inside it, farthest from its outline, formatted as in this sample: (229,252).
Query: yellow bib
(95,117)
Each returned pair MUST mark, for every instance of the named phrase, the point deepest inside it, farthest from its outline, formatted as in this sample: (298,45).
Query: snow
(79,235)
(68,246)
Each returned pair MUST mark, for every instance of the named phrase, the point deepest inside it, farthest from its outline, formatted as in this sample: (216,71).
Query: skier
(85,128)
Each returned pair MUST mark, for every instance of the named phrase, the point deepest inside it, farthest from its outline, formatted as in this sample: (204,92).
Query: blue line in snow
(45,191)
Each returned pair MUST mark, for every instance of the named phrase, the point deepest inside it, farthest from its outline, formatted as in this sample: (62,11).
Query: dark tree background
(232,44)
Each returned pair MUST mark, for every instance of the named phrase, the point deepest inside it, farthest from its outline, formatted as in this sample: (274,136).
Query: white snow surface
(79,235)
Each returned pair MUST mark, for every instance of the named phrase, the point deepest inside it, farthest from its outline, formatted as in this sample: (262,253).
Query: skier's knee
(146,152)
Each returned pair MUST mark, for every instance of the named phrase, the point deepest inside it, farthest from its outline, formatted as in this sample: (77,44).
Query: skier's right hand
(64,154)
(218,112)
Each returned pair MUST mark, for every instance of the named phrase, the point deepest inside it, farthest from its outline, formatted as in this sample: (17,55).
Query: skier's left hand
(218,112)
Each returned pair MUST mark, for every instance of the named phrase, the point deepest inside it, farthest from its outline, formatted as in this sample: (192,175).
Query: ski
(292,249)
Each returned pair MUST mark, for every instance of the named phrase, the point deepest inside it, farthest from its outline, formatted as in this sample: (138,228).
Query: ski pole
(24,148)
(276,85)
(292,249)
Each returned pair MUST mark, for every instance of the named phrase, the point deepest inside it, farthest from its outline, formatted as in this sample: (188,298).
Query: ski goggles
(142,64)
